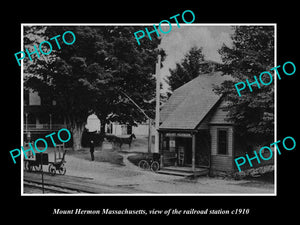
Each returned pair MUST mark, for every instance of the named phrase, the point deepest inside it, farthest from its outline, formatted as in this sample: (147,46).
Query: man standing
(92,150)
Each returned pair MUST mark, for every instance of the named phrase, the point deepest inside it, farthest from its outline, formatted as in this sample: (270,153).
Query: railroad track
(72,184)
(50,188)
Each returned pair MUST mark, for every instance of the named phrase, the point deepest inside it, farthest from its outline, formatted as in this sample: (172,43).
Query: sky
(180,40)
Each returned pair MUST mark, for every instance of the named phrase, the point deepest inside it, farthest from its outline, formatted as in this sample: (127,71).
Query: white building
(121,129)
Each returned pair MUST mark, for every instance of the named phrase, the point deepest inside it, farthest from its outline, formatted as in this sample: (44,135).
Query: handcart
(35,163)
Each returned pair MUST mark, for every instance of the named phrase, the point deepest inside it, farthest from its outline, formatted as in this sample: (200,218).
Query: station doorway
(184,150)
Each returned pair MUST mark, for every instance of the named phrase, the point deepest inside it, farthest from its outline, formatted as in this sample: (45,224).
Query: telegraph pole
(149,121)
(157,75)
(157,118)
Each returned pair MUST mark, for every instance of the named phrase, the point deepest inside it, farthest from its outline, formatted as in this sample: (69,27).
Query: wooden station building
(193,131)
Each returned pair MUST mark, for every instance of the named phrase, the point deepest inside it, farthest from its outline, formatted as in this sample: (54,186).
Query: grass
(266,177)
(265,180)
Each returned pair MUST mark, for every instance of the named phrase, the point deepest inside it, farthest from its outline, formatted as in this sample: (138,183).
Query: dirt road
(128,175)
(136,181)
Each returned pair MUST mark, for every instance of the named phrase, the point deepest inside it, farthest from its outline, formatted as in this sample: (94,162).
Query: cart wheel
(52,169)
(26,166)
(29,166)
(154,166)
(38,167)
(143,164)
(62,169)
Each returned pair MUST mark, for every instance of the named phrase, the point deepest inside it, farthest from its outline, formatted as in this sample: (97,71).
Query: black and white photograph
(141,111)
(154,118)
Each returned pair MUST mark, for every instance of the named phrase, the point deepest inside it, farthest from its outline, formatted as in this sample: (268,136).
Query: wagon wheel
(27,167)
(38,167)
(143,164)
(154,166)
(52,169)
(62,169)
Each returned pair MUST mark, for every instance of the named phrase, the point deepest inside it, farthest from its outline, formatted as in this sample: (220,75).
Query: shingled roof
(190,103)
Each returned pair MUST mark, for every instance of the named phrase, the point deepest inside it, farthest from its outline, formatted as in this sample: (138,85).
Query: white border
(22,113)
(151,24)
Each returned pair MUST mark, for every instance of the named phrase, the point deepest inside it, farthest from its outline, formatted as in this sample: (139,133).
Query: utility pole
(157,75)
(149,136)
(157,118)
(42,171)
(149,121)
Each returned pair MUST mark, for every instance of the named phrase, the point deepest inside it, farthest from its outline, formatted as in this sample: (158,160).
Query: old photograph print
(155,118)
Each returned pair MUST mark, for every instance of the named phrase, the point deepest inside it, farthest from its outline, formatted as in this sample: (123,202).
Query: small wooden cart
(36,164)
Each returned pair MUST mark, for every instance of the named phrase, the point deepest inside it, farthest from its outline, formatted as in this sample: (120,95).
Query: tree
(91,75)
(252,53)
(131,68)
(188,69)
(61,76)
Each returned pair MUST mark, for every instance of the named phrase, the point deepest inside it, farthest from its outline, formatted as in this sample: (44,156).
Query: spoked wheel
(143,164)
(154,166)
(27,166)
(52,169)
(62,169)
(38,167)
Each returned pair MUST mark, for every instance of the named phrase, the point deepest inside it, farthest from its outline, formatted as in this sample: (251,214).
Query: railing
(41,126)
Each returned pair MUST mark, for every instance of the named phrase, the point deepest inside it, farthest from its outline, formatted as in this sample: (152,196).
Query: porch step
(175,173)
(183,173)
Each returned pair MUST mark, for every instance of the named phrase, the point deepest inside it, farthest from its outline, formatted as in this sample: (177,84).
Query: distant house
(141,129)
(193,130)
(40,117)
(115,128)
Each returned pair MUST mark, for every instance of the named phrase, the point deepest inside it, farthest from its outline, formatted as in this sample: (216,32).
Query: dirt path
(127,163)
(129,175)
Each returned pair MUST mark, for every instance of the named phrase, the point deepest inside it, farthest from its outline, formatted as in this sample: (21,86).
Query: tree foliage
(251,53)
(189,68)
(92,74)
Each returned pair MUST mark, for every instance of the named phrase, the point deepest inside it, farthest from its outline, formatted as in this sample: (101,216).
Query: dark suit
(92,150)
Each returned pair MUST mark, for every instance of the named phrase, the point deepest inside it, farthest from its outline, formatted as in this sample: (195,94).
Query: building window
(222,141)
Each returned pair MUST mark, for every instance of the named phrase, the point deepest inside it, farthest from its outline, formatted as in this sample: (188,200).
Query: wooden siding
(221,163)
(218,161)
(205,123)
(220,114)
